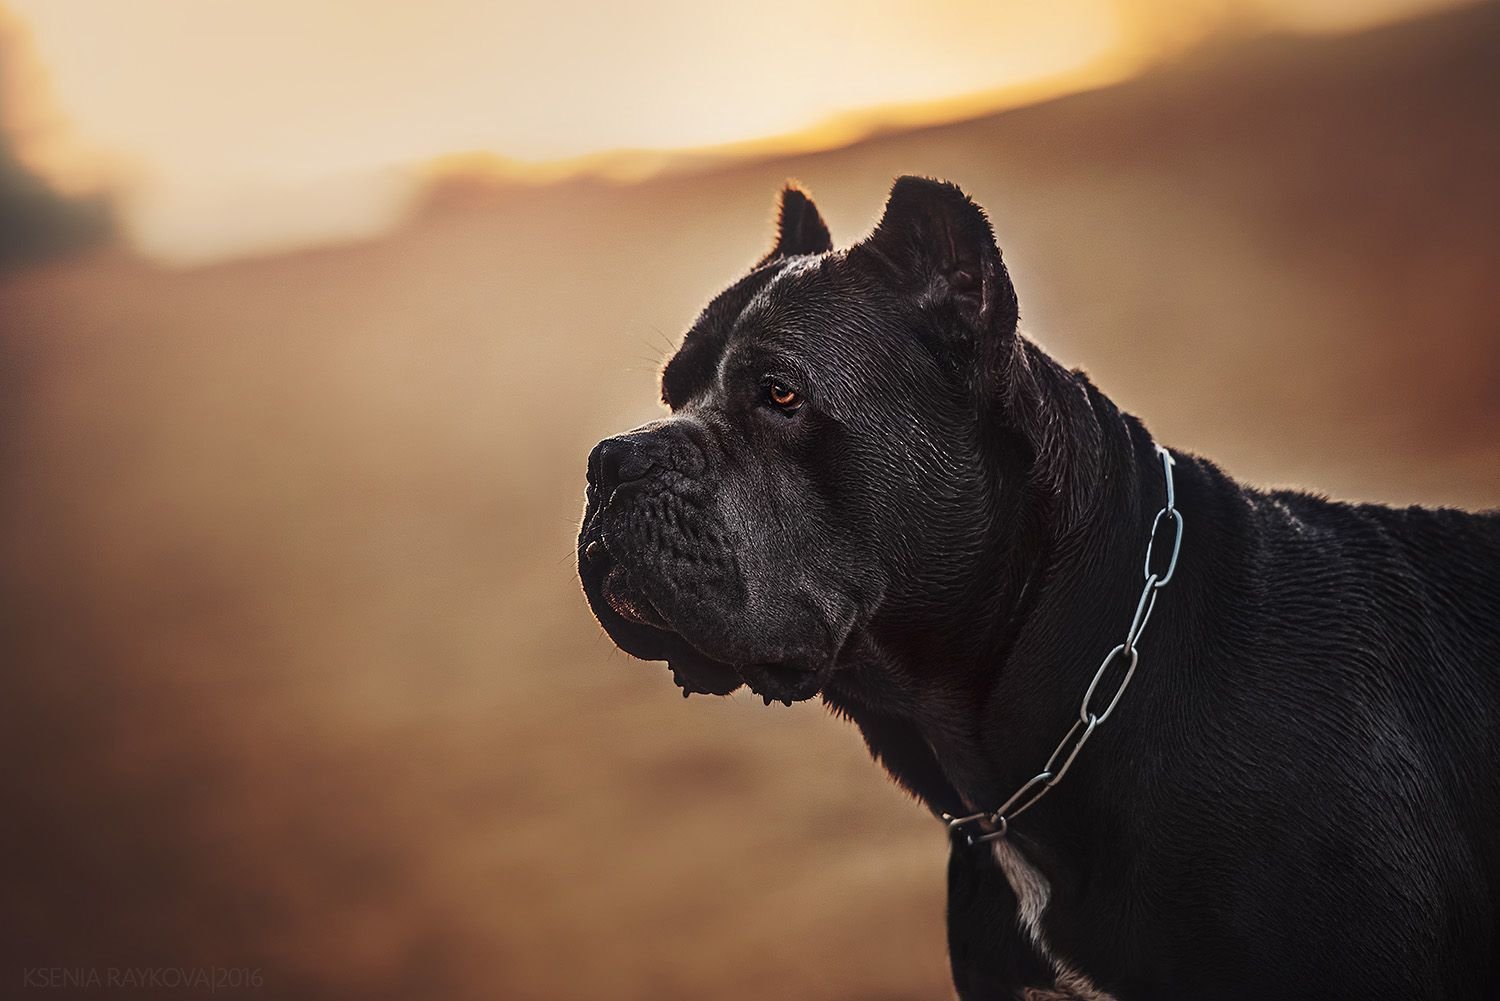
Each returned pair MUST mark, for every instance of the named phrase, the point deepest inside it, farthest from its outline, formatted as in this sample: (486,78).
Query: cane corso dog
(872,489)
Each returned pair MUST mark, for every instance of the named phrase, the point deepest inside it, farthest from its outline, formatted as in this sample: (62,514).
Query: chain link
(994,824)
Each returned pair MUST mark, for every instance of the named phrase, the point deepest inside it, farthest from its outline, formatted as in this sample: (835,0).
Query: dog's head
(824,464)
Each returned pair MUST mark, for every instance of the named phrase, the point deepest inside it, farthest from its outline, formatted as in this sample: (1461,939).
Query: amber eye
(786,399)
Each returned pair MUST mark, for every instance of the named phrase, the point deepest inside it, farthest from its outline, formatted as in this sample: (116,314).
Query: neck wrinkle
(984,730)
(992,692)
(1077,612)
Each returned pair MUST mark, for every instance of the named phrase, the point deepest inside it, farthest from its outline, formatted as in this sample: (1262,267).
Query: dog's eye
(781,396)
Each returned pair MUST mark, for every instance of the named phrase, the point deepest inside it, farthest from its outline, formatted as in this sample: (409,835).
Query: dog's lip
(627,603)
(692,670)
(615,586)
(773,682)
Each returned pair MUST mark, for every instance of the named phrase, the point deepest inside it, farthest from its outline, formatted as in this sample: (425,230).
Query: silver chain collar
(991,825)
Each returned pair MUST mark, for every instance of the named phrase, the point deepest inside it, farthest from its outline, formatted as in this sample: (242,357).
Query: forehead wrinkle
(831,379)
(759,313)
(764,301)
(828,332)
(703,346)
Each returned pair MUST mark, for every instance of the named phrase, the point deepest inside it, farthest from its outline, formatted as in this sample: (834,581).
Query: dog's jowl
(1260,761)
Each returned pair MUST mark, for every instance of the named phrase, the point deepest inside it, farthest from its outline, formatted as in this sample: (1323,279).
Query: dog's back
(1411,605)
(1355,659)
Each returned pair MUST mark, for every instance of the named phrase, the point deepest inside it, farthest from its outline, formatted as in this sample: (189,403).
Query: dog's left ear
(799,228)
(937,246)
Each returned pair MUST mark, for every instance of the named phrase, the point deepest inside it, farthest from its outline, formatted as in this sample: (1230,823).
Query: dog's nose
(617,460)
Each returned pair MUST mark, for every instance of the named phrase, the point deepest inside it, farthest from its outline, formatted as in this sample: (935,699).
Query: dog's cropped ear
(799,228)
(937,246)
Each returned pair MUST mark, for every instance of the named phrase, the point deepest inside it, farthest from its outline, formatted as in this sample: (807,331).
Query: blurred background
(309,314)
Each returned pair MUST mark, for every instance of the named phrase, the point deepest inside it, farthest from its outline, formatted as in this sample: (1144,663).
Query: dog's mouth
(628,604)
(640,628)
(618,590)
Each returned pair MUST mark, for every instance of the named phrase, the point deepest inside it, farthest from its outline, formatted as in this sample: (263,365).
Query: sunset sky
(230,127)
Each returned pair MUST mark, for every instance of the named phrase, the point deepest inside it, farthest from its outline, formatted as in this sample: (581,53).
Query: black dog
(872,488)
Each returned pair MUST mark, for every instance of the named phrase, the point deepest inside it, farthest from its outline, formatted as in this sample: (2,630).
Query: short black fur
(1300,795)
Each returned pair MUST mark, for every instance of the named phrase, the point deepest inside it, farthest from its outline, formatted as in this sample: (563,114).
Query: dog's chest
(1033,894)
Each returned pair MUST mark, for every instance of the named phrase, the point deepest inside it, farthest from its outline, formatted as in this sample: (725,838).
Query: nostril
(618,460)
(632,466)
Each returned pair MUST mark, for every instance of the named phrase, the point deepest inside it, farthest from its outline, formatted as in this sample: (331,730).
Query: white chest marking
(1031,889)
(1033,893)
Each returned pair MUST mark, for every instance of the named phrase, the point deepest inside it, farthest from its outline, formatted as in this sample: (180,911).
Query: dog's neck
(963,711)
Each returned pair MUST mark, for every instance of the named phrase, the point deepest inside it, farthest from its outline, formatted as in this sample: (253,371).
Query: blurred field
(297,675)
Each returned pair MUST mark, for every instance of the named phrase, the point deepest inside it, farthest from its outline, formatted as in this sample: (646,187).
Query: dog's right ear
(799,228)
(937,246)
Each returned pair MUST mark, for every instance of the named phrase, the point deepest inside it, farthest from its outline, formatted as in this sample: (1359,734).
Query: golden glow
(233,126)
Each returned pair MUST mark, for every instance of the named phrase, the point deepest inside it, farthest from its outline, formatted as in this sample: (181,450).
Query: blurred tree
(36,222)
